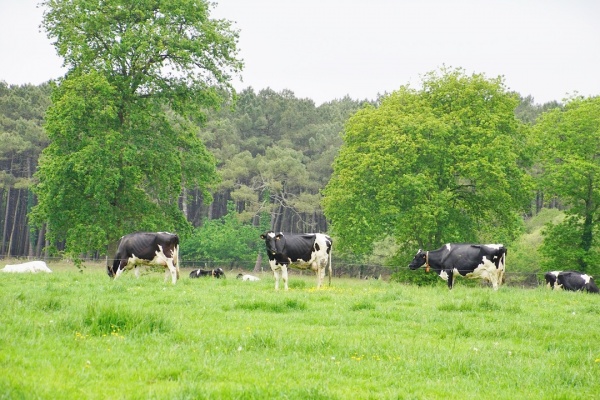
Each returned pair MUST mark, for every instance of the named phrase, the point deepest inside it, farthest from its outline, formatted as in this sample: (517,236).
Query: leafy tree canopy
(430,166)
(568,141)
(167,50)
(122,146)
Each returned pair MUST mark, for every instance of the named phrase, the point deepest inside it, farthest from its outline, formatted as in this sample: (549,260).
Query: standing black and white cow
(571,280)
(484,261)
(147,248)
(302,251)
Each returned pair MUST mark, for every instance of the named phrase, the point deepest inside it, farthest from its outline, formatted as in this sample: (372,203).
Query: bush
(418,277)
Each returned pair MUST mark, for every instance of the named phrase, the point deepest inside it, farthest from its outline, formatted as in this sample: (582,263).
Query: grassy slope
(80,335)
(523,256)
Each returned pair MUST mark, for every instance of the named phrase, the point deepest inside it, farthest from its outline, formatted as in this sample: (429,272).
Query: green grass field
(79,335)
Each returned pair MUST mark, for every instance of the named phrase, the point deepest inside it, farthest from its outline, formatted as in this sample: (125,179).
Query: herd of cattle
(312,251)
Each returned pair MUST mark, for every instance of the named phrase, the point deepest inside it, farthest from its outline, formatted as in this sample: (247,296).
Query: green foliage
(561,250)
(122,147)
(443,164)
(227,240)
(528,112)
(274,154)
(170,51)
(568,143)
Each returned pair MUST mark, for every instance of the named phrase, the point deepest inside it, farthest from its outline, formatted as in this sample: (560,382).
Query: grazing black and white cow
(147,248)
(302,251)
(571,280)
(215,273)
(484,261)
(247,277)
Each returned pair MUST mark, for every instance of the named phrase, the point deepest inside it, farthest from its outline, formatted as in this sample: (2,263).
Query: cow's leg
(284,276)
(496,279)
(172,270)
(320,276)
(137,272)
(277,275)
(176,259)
(276,272)
(450,278)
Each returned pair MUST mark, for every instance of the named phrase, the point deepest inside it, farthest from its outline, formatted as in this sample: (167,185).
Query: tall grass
(80,335)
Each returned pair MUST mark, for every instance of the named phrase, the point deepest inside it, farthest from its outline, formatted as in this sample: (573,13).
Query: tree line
(273,153)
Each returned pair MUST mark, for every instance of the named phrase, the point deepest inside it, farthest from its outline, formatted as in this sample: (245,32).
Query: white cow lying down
(246,277)
(31,266)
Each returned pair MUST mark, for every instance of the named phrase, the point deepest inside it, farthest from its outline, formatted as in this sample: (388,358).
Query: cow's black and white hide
(147,248)
(302,251)
(214,273)
(550,278)
(483,261)
(571,280)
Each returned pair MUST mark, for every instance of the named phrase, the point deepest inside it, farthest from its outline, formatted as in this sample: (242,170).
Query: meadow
(79,335)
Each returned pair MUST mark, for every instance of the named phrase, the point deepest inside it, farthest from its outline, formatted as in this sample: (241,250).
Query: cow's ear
(279,236)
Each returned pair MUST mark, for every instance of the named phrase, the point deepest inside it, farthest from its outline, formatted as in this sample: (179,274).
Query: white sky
(326,49)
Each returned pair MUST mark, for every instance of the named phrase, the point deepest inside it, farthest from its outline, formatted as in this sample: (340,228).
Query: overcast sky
(327,49)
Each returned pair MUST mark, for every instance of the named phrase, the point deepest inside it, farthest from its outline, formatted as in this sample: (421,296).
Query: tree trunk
(40,240)
(14,225)
(5,230)
(184,203)
(258,264)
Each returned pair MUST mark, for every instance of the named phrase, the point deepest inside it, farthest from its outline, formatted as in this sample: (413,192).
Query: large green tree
(569,153)
(429,166)
(123,145)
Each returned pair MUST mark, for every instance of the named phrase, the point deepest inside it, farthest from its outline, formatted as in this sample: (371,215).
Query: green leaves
(226,241)
(568,143)
(430,166)
(122,141)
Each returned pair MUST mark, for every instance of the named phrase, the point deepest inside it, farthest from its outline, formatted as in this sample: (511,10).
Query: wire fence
(340,269)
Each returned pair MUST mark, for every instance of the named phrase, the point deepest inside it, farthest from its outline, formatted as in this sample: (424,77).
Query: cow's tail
(329,263)
(501,280)
(177,260)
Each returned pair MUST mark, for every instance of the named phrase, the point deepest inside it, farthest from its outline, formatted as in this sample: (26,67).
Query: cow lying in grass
(31,266)
(215,273)
(246,277)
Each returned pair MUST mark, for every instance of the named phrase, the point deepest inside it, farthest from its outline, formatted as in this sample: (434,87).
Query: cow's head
(111,270)
(218,273)
(273,241)
(419,260)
